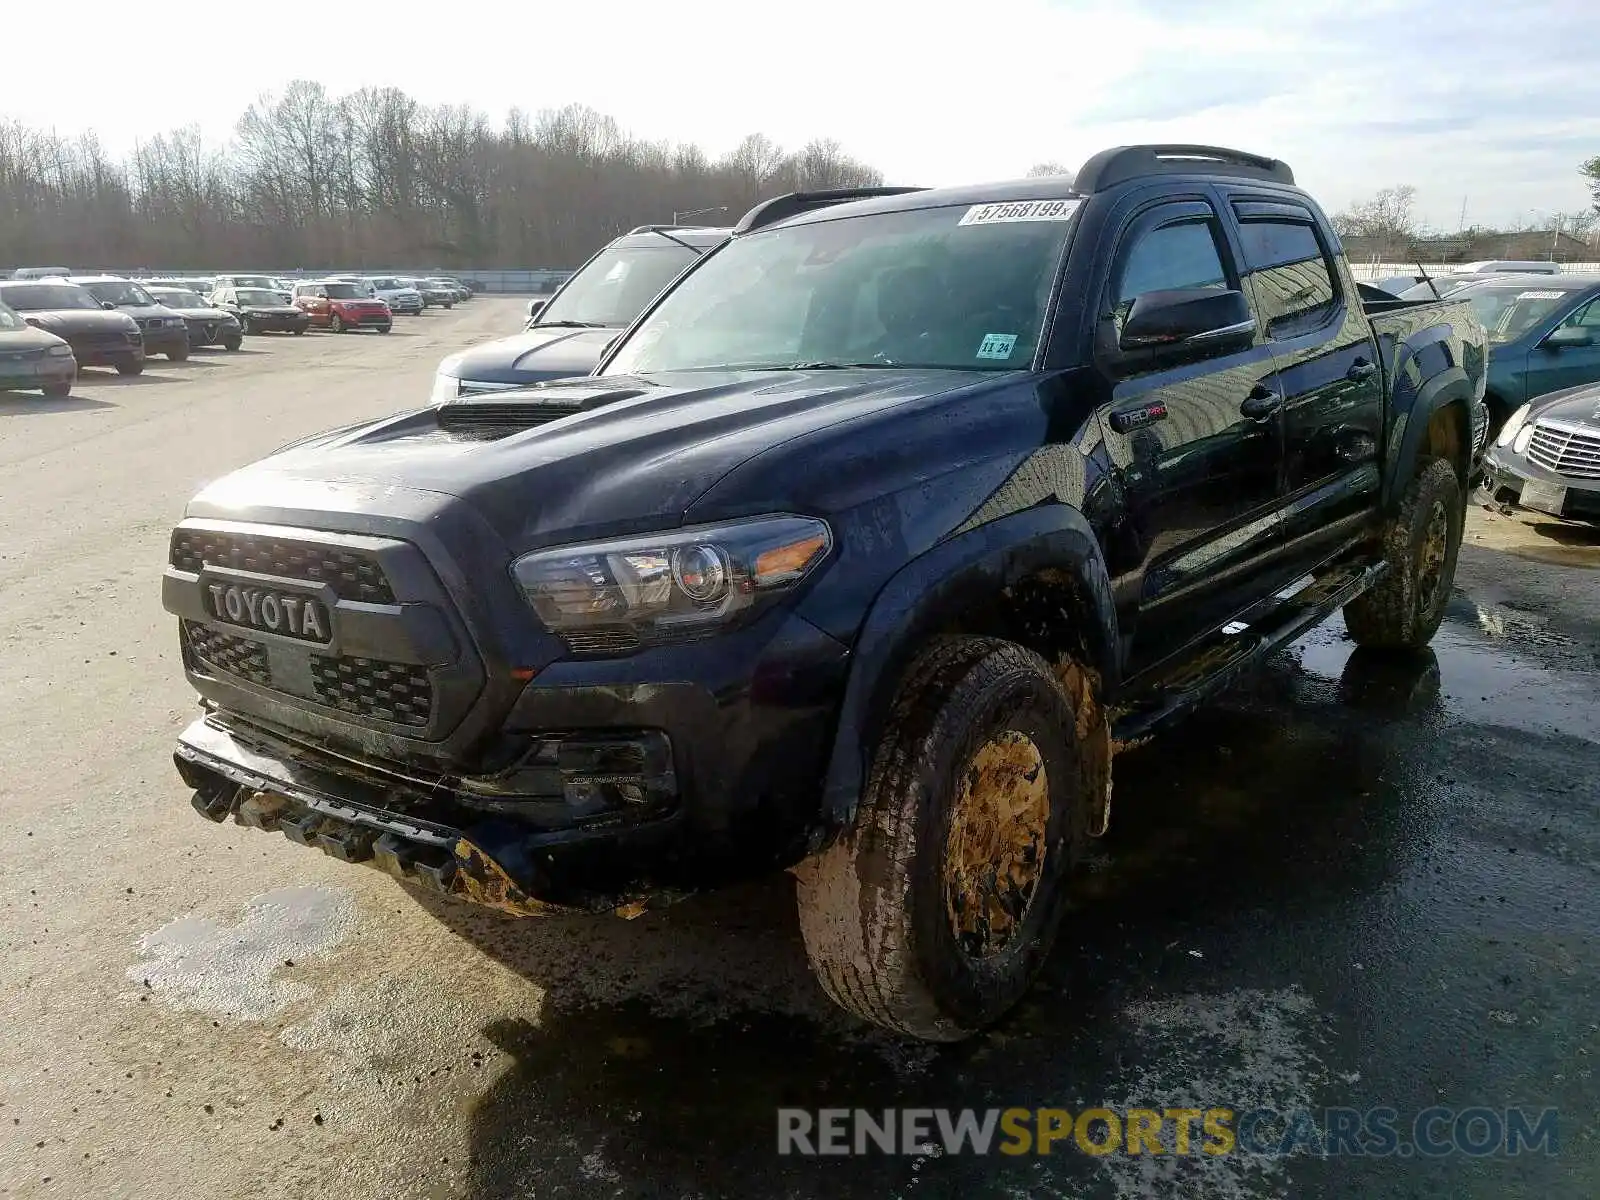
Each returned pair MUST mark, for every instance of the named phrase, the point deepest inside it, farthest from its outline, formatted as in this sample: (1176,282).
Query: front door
(1197,441)
(1328,373)
(1571,363)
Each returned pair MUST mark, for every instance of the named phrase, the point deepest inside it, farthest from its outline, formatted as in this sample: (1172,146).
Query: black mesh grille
(613,639)
(231,655)
(396,692)
(352,575)
(489,422)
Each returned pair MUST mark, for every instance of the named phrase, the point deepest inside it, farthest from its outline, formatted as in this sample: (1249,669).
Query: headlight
(60,351)
(172,322)
(1524,436)
(674,586)
(445,387)
(1512,425)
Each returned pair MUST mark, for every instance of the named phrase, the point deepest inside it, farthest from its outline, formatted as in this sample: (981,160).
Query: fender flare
(1449,386)
(930,590)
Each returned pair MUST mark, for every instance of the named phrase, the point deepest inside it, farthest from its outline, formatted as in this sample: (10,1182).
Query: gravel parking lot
(1351,883)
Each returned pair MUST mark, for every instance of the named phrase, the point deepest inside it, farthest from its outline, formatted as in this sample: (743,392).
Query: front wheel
(57,390)
(178,355)
(935,913)
(385,328)
(299,330)
(232,343)
(1420,543)
(130,368)
(336,323)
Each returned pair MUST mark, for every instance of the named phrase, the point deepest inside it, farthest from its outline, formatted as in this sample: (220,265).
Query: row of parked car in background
(1543,390)
(54,321)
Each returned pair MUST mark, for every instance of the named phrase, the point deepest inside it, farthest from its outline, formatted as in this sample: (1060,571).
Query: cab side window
(1181,255)
(1292,275)
(1587,317)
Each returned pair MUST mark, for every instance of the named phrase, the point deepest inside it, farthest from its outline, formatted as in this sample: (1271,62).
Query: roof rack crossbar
(780,208)
(1121,163)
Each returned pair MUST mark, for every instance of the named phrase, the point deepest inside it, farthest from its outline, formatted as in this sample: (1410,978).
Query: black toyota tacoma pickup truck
(861,554)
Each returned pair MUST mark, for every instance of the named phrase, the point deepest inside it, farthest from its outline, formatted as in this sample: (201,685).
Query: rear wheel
(299,329)
(385,328)
(130,368)
(1421,542)
(935,913)
(232,343)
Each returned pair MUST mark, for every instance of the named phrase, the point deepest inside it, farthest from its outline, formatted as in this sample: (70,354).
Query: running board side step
(1238,647)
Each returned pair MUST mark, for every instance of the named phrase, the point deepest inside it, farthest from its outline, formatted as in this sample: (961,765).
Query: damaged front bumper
(543,835)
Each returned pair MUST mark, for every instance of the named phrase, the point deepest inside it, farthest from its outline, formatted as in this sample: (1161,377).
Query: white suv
(400,297)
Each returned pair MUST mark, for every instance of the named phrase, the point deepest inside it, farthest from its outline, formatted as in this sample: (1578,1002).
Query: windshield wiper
(830,366)
(566,325)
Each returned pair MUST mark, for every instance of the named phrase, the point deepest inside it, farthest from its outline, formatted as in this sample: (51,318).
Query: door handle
(1361,369)
(1261,403)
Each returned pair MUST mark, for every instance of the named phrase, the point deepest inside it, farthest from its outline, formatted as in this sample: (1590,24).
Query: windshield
(119,291)
(1509,312)
(177,298)
(386,284)
(256,296)
(346,291)
(934,287)
(614,288)
(254,281)
(44,297)
(9,319)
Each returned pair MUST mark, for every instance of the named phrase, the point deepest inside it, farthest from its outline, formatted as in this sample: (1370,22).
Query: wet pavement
(1351,883)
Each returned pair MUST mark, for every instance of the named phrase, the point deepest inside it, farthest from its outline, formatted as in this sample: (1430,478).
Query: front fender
(930,591)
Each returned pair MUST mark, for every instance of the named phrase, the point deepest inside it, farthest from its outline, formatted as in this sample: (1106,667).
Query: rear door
(1328,372)
(1201,477)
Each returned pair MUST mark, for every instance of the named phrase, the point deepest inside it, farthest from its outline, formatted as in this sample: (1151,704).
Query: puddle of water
(199,964)
(1486,681)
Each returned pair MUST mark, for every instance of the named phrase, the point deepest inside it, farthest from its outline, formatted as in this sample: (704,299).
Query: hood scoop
(490,416)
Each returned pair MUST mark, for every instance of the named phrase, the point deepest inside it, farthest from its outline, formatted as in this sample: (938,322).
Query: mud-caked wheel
(935,913)
(1420,543)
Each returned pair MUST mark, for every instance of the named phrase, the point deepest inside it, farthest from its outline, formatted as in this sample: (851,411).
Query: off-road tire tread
(870,968)
(1385,616)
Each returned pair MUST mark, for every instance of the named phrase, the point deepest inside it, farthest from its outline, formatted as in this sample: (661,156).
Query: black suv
(860,555)
(598,301)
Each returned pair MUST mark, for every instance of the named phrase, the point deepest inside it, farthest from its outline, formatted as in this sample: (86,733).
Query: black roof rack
(780,208)
(1122,163)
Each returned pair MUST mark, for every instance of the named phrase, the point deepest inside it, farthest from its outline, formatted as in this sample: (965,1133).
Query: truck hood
(1580,404)
(531,357)
(621,454)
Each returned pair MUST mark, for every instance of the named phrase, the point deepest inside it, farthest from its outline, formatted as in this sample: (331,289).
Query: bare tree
(1389,215)
(374,178)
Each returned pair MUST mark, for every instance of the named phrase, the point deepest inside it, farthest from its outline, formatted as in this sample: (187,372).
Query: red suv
(339,306)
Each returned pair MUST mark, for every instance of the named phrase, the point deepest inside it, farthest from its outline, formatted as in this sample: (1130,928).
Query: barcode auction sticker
(1540,295)
(1020,210)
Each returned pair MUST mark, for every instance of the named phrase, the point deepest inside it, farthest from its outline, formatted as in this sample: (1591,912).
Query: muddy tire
(1421,542)
(934,914)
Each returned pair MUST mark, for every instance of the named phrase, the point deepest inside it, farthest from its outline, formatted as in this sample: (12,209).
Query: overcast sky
(1492,103)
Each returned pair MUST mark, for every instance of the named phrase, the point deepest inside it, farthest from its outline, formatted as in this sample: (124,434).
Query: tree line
(375,178)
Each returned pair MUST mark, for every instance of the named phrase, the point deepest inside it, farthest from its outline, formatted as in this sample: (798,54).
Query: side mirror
(108,305)
(1187,317)
(1569,337)
(535,307)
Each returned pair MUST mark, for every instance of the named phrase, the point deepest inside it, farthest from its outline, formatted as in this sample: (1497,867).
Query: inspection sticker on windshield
(1020,210)
(996,345)
(1540,295)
